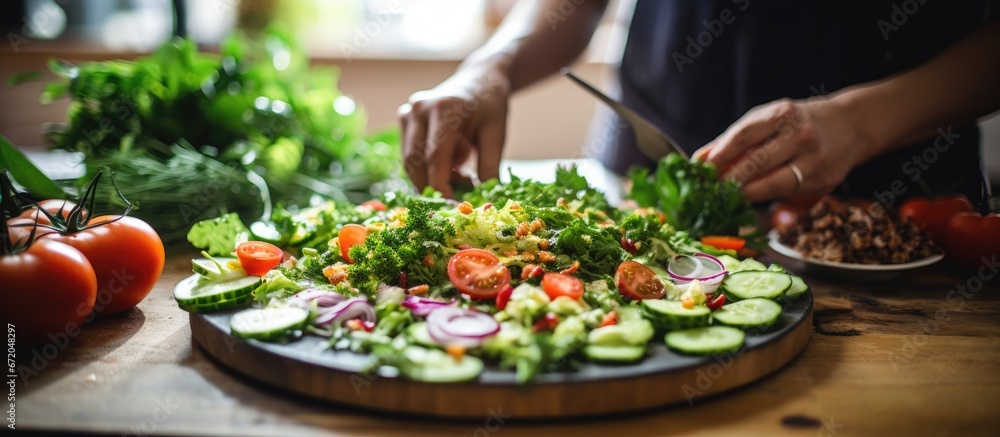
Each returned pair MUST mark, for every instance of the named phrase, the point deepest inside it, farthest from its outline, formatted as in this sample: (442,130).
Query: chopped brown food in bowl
(857,233)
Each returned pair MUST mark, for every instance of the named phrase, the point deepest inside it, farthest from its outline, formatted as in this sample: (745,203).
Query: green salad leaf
(26,174)
(692,196)
(218,236)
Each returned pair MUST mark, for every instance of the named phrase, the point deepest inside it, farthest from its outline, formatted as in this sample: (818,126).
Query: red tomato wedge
(503,297)
(351,235)
(636,281)
(478,273)
(724,242)
(258,257)
(558,284)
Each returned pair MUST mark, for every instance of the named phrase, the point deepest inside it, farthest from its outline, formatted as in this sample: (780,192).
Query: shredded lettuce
(276,285)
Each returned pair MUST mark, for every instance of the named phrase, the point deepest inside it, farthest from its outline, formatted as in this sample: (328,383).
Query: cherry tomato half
(558,284)
(351,235)
(258,257)
(478,273)
(636,281)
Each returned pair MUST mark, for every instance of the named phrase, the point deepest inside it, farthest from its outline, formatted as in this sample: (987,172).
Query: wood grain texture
(901,358)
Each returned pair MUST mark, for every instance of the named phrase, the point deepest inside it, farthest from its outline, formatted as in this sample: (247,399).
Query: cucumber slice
(776,268)
(670,315)
(419,335)
(614,354)
(730,262)
(434,365)
(195,290)
(269,324)
(751,264)
(750,313)
(623,333)
(747,285)
(797,289)
(706,341)
(210,270)
(221,305)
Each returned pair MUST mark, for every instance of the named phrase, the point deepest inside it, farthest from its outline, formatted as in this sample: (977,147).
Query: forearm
(957,86)
(537,38)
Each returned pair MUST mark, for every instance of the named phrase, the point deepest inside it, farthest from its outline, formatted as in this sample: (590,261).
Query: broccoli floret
(386,254)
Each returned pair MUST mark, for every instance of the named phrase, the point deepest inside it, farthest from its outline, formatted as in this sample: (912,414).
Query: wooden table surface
(915,356)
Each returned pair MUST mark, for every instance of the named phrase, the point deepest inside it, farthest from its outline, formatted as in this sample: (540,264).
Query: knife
(650,140)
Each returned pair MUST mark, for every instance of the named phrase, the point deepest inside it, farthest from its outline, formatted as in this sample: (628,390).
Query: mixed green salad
(525,276)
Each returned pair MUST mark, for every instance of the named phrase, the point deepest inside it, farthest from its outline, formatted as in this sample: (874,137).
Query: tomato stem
(80,215)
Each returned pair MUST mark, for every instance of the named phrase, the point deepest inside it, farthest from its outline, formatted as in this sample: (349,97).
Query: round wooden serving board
(307,367)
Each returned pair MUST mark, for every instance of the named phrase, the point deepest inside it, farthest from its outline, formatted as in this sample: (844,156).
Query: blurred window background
(329,28)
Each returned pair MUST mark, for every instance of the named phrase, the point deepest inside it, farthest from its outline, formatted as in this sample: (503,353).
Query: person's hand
(789,148)
(442,126)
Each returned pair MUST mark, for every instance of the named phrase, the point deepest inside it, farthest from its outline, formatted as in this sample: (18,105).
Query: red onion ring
(709,283)
(356,308)
(453,325)
(422,306)
(323,298)
(700,266)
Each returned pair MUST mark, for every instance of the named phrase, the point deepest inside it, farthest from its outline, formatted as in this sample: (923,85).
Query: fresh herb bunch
(692,196)
(180,120)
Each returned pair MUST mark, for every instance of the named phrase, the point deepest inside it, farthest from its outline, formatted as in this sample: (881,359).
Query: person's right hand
(442,126)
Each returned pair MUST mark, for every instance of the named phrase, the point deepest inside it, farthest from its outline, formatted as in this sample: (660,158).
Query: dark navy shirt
(695,67)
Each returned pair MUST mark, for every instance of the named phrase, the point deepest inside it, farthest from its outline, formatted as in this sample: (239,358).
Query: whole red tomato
(19,229)
(48,291)
(127,256)
(971,237)
(932,215)
(56,207)
(786,212)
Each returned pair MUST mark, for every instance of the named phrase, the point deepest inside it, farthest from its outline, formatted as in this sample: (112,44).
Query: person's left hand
(764,148)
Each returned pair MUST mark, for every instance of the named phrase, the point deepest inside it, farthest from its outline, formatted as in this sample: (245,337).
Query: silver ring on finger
(797,172)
